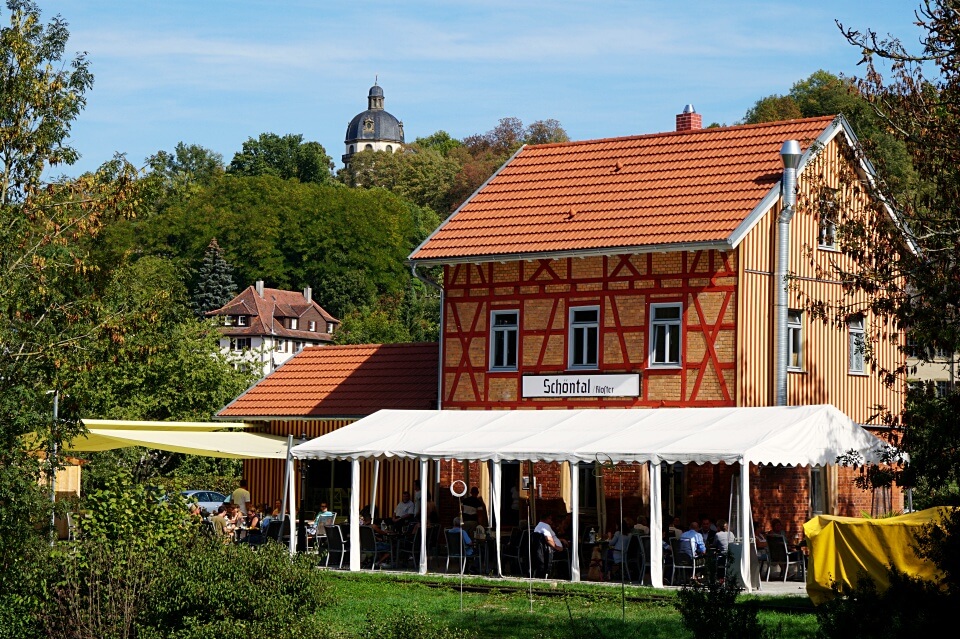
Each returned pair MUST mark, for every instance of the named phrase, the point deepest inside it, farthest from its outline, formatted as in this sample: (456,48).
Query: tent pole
(287,468)
(355,516)
(575,523)
(656,527)
(746,514)
(495,478)
(373,491)
(422,568)
(292,498)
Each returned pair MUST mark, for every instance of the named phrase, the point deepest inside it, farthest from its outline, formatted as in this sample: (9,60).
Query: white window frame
(794,340)
(312,326)
(856,345)
(501,338)
(329,327)
(294,323)
(827,234)
(660,328)
(818,491)
(581,361)
(240,344)
(242,320)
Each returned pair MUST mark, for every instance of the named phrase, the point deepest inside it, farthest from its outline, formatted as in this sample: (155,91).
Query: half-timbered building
(642,273)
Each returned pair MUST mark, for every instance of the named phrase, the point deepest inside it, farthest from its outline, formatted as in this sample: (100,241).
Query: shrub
(409,625)
(206,589)
(711,609)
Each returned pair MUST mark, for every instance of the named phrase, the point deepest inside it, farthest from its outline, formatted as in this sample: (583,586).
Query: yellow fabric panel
(126,424)
(236,445)
(842,548)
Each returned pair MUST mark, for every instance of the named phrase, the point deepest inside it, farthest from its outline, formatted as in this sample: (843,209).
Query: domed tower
(374,129)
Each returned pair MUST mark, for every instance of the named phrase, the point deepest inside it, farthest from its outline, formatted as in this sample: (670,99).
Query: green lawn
(577,610)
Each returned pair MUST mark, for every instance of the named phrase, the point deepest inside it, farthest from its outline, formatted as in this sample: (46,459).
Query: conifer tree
(215,285)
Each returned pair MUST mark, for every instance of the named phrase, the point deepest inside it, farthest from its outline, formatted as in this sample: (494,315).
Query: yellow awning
(234,445)
(127,424)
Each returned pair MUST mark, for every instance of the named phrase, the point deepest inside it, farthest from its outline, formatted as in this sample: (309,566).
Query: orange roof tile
(679,187)
(342,381)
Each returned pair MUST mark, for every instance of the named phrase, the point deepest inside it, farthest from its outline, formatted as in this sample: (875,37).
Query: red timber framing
(623,287)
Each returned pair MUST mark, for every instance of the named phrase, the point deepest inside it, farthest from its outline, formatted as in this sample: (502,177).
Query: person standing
(241,497)
(473,509)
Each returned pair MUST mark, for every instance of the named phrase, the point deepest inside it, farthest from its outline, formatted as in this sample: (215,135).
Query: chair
(456,549)
(540,555)
(71,528)
(336,545)
(516,548)
(683,561)
(645,550)
(274,530)
(633,560)
(368,547)
(410,546)
(779,554)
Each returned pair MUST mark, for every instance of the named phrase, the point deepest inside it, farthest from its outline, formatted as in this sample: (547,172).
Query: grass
(570,610)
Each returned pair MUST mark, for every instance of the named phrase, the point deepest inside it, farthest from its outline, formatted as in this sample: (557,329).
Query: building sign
(627,385)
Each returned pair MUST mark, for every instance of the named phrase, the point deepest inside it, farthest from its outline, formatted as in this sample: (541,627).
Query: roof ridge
(646,136)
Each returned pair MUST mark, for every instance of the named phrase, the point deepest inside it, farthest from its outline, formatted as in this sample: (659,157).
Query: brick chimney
(689,120)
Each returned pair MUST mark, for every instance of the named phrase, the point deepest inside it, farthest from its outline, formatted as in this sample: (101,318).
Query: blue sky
(215,73)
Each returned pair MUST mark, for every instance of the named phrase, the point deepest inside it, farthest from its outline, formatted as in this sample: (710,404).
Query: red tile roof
(268,312)
(344,381)
(678,187)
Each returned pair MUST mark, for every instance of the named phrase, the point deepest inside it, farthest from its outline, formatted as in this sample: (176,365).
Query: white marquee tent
(789,436)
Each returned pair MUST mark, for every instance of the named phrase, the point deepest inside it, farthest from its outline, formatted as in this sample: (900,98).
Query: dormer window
(312,326)
(329,327)
(294,323)
(242,320)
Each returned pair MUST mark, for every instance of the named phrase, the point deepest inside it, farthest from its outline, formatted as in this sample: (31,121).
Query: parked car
(209,500)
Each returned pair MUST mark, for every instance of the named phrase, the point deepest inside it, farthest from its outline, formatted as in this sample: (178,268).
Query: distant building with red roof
(264,327)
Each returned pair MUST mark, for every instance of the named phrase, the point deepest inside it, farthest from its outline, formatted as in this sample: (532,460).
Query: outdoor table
(593,556)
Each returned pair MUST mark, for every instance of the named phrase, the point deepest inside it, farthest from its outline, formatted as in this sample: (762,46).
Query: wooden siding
(265,476)
(825,376)
(623,287)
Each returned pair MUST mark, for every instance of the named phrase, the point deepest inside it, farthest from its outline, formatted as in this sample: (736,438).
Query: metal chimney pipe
(258,287)
(790,154)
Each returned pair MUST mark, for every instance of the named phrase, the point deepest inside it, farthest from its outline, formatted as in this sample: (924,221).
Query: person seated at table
(776,528)
(404,513)
(468,547)
(382,545)
(691,542)
(545,527)
(723,539)
(642,527)
(433,515)
(220,525)
(675,527)
(708,529)
(617,545)
(277,507)
(473,508)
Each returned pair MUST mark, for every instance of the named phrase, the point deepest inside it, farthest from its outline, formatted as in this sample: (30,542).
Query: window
(294,323)
(239,343)
(312,326)
(584,336)
(665,336)
(818,491)
(503,340)
(856,340)
(368,147)
(279,346)
(329,327)
(943,388)
(389,149)
(351,149)
(298,347)
(228,320)
(795,340)
(828,234)
(242,320)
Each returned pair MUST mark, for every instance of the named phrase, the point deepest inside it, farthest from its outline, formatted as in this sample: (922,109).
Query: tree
(439,141)
(285,157)
(189,166)
(50,309)
(215,285)
(908,265)
(545,132)
(773,108)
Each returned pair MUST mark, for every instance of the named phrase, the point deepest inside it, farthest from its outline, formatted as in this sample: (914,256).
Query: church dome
(374,124)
